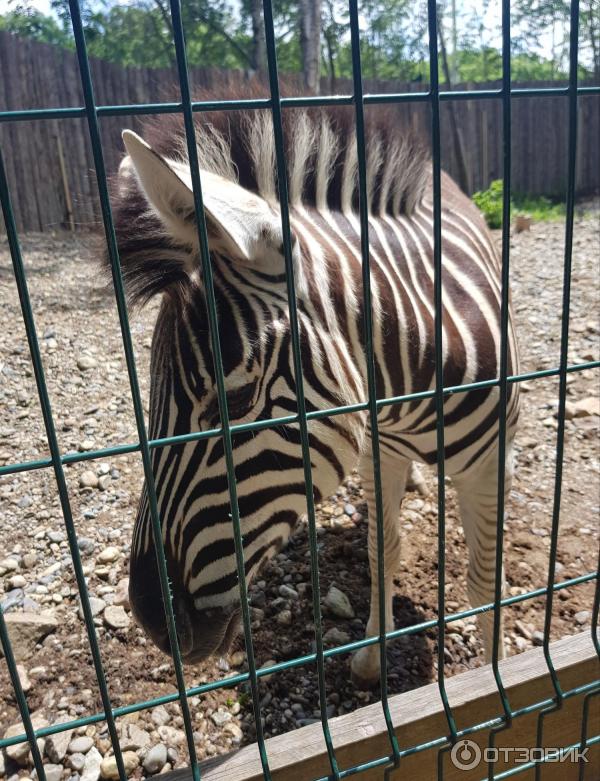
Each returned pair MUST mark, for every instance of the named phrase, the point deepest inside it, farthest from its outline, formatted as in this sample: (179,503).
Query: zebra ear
(238,221)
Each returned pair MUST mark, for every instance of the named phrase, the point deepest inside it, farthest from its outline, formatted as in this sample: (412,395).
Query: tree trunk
(310,43)
(259,47)
(459,149)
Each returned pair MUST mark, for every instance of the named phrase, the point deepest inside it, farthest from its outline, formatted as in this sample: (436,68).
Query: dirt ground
(86,373)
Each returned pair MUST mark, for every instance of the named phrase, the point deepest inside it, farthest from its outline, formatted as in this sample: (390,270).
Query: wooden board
(418,717)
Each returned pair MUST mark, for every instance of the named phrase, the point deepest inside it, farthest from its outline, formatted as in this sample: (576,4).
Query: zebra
(159,254)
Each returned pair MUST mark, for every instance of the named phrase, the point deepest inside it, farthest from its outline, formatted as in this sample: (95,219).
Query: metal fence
(433,96)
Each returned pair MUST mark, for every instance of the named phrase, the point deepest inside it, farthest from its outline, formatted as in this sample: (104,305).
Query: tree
(310,42)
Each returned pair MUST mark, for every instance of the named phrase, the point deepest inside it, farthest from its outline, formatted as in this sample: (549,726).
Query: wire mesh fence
(372,406)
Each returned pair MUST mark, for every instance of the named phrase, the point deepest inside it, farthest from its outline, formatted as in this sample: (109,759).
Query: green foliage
(540,209)
(489,203)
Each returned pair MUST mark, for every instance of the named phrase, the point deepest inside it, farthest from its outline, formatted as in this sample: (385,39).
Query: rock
(26,630)
(586,407)
(29,560)
(108,766)
(221,717)
(9,564)
(538,637)
(171,736)
(155,759)
(91,768)
(80,745)
(160,716)
(235,732)
(19,753)
(57,745)
(338,603)
(134,738)
(88,479)
(121,596)
(24,678)
(2,764)
(86,362)
(335,636)
(86,444)
(18,581)
(237,658)
(582,617)
(284,618)
(76,762)
(116,618)
(97,605)
(268,663)
(108,555)
(287,592)
(53,772)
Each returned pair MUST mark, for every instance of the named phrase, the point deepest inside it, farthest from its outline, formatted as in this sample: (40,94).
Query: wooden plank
(418,717)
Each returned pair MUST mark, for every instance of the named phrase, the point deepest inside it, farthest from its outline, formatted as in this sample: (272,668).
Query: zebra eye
(239,402)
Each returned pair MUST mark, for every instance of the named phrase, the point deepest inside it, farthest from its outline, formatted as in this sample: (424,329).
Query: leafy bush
(539,208)
(489,202)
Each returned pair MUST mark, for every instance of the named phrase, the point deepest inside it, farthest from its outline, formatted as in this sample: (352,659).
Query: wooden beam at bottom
(418,717)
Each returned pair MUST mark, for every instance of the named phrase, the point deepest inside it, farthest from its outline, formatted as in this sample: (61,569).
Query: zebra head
(159,251)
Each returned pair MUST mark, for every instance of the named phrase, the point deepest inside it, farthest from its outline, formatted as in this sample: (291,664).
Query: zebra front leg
(366,661)
(478,498)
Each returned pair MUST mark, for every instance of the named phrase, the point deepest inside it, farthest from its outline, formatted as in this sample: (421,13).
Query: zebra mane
(322,171)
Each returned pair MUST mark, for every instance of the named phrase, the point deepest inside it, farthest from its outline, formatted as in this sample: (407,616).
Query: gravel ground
(86,373)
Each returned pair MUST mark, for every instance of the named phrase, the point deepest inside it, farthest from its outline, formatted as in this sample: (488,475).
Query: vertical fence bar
(434,91)
(61,482)
(564,348)
(111,241)
(282,187)
(503,385)
(16,682)
(359,114)
(585,714)
(207,276)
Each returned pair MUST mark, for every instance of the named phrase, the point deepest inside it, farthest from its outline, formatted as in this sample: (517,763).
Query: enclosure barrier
(487,704)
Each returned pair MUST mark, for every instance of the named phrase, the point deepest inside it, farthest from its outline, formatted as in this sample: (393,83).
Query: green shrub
(489,202)
(539,208)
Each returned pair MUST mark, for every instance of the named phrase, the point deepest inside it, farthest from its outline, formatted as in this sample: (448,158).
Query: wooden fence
(50,165)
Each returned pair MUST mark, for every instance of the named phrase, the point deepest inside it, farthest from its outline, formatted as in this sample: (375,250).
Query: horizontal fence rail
(93,114)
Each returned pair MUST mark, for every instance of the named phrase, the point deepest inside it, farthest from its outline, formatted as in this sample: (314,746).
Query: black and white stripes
(159,253)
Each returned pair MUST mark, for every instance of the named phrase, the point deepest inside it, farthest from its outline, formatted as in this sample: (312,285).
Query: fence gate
(545,697)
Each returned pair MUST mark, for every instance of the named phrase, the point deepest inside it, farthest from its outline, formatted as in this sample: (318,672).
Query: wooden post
(418,717)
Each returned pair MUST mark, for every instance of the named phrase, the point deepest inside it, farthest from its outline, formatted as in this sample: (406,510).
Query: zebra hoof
(363,672)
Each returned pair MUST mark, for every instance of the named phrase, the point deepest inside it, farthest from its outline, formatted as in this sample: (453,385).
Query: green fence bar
(439,367)
(282,187)
(118,450)
(20,697)
(370,365)
(27,115)
(190,134)
(503,386)
(562,377)
(59,475)
(111,242)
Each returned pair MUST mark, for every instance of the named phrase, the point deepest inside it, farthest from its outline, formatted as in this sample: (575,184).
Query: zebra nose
(200,633)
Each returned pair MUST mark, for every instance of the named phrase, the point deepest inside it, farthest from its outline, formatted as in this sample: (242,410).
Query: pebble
(287,592)
(19,753)
(160,716)
(109,769)
(220,717)
(235,731)
(116,618)
(86,362)
(80,745)
(18,581)
(582,617)
(76,762)
(88,479)
(57,745)
(29,560)
(155,759)
(53,772)
(538,637)
(97,605)
(108,555)
(284,618)
(335,636)
(338,603)
(91,768)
